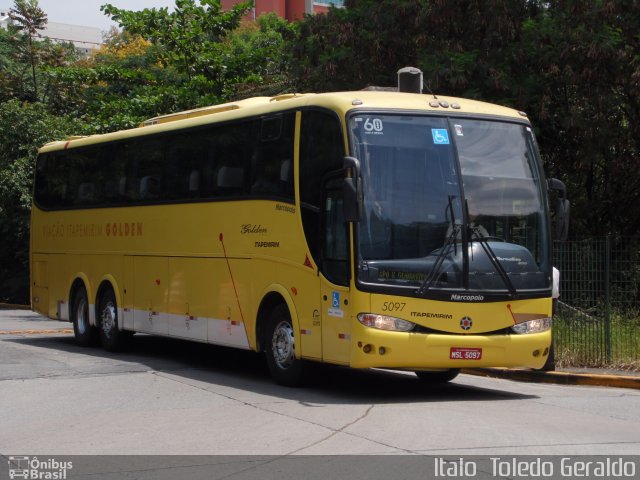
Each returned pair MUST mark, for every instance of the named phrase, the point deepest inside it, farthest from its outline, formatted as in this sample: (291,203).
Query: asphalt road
(172,397)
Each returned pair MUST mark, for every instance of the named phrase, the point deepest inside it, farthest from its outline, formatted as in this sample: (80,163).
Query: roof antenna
(428,89)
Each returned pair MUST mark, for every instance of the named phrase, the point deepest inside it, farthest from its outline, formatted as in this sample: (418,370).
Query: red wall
(320,9)
(295,10)
(265,6)
(289,9)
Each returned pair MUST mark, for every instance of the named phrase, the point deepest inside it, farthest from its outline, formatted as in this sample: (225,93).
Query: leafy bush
(24,127)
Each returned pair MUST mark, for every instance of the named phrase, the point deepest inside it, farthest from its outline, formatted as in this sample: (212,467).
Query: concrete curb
(35,332)
(11,306)
(562,378)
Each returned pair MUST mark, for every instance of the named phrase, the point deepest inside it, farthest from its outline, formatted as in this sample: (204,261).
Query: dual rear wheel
(107,332)
(86,335)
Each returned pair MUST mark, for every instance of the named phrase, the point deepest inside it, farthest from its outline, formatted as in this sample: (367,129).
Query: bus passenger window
(86,193)
(271,161)
(149,187)
(269,178)
(194,183)
(230,180)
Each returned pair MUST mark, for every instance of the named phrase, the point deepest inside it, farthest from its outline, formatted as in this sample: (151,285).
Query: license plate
(458,353)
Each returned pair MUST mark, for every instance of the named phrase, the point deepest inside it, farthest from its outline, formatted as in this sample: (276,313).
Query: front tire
(280,348)
(85,334)
(111,337)
(437,377)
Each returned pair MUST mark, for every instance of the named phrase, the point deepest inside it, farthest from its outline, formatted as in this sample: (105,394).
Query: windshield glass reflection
(412,230)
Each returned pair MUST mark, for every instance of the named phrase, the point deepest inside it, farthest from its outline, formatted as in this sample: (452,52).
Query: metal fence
(597,319)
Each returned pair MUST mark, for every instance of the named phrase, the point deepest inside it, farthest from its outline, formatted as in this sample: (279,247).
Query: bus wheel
(111,337)
(435,377)
(279,347)
(85,334)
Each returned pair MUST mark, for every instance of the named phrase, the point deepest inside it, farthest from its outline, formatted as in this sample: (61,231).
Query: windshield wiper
(444,251)
(484,243)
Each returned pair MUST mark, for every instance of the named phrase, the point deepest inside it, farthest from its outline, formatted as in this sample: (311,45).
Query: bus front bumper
(372,348)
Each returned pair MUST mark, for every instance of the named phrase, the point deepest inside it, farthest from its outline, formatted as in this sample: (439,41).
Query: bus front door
(335,310)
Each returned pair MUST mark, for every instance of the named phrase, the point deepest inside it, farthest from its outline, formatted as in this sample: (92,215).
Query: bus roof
(341,102)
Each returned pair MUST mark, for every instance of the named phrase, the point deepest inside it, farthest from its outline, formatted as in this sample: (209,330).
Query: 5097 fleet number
(393,306)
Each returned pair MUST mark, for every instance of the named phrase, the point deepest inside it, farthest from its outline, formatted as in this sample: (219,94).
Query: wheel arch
(273,296)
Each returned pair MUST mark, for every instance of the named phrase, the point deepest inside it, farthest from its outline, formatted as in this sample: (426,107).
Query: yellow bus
(365,229)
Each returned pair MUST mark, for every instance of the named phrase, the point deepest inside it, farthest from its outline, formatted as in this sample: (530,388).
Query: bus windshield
(450,205)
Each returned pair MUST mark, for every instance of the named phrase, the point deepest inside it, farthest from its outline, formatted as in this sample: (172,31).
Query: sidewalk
(18,320)
(574,376)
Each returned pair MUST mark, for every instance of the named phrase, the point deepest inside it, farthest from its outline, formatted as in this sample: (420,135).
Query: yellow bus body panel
(201,270)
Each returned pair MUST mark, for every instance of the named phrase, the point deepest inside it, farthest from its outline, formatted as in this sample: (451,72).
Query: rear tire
(279,348)
(435,378)
(112,338)
(85,334)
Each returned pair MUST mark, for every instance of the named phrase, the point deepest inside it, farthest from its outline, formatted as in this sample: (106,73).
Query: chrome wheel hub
(283,345)
(108,318)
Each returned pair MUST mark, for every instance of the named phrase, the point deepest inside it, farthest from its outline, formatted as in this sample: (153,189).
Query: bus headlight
(533,326)
(383,322)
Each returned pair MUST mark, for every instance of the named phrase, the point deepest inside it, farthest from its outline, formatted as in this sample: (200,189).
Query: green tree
(581,84)
(123,84)
(254,58)
(131,78)
(186,36)
(360,45)
(24,127)
(28,18)
(574,66)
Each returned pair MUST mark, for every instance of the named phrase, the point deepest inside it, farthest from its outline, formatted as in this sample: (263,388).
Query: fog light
(382,350)
(536,353)
(546,352)
(366,348)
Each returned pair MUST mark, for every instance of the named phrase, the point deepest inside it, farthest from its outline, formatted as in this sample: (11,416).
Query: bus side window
(87,182)
(51,181)
(184,160)
(271,170)
(150,161)
(208,180)
(86,193)
(321,152)
(230,180)
(149,187)
(233,145)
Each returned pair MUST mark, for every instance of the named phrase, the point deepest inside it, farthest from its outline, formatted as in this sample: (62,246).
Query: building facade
(4,17)
(83,38)
(288,9)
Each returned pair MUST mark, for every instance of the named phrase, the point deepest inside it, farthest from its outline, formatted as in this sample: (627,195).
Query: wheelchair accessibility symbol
(335,299)
(440,136)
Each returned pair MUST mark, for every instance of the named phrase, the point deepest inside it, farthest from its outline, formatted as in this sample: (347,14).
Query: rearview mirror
(352,190)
